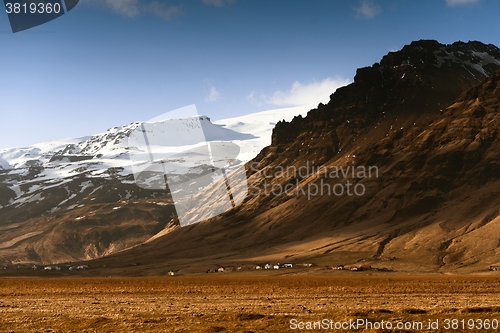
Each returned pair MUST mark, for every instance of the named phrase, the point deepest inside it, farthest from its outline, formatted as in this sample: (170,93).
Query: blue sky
(112,62)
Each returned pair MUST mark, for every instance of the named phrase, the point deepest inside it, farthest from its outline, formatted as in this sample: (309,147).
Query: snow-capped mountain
(53,163)
(57,187)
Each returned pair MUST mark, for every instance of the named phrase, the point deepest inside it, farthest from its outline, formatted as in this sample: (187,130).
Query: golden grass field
(239,302)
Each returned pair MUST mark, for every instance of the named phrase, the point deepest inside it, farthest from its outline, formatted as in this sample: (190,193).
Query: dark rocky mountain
(425,119)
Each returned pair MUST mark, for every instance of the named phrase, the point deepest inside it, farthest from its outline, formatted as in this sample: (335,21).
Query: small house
(258,267)
(83,267)
(267,266)
(288,265)
(276,267)
(220,269)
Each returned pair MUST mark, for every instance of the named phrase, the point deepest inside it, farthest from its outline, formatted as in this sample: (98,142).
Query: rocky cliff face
(415,83)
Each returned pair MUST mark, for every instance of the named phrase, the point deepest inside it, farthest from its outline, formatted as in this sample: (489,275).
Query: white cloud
(306,94)
(162,10)
(460,2)
(218,3)
(251,96)
(213,94)
(124,7)
(133,8)
(367,9)
(254,100)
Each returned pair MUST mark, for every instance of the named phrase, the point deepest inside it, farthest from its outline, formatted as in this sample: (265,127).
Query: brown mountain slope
(76,221)
(425,182)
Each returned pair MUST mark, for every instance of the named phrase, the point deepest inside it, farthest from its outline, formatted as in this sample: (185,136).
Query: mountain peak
(423,53)
(428,57)
(415,83)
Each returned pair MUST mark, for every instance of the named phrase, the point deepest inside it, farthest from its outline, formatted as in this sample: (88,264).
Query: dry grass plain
(243,303)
